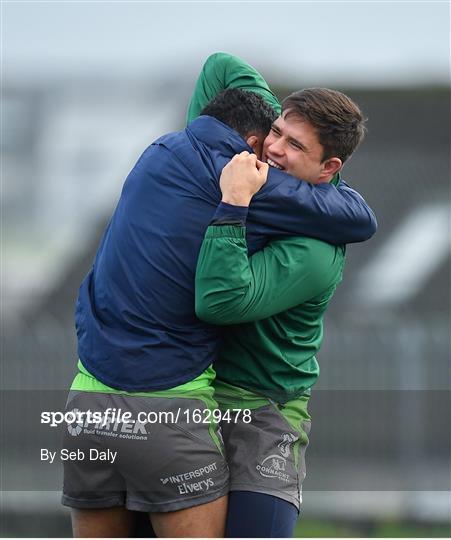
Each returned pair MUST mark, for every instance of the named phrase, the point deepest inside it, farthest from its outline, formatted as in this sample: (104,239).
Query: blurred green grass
(382,529)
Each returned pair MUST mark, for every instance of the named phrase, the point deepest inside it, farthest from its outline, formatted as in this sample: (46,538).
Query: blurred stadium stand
(381,436)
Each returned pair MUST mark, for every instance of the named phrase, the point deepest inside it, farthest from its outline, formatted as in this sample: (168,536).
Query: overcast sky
(297,42)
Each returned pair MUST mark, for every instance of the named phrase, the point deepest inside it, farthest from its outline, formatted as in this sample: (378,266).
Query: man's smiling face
(292,146)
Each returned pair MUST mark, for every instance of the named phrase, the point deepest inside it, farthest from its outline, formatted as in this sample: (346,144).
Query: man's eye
(275,131)
(295,146)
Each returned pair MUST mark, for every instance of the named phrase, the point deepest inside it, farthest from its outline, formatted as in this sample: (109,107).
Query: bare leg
(203,521)
(102,522)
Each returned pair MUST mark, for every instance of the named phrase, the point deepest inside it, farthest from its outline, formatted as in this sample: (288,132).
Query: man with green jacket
(272,303)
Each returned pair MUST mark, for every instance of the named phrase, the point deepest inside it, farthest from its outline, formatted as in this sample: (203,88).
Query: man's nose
(277,147)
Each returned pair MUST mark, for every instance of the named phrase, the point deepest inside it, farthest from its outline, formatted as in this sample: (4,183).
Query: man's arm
(334,214)
(232,288)
(222,71)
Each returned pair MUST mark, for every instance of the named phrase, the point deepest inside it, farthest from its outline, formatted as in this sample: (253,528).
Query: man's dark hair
(338,121)
(243,111)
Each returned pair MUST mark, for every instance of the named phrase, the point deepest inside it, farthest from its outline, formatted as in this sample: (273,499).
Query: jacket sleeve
(334,213)
(232,288)
(222,71)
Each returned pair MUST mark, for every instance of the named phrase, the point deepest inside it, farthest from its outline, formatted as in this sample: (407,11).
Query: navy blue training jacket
(136,325)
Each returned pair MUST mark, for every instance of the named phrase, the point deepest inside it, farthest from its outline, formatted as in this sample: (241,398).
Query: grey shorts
(267,455)
(159,466)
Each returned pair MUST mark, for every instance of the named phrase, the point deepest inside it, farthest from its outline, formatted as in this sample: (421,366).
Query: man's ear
(256,144)
(330,168)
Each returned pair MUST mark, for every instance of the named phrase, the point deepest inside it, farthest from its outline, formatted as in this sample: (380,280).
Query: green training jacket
(273,302)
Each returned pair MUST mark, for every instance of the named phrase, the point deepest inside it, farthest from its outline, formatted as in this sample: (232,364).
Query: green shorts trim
(228,396)
(86,382)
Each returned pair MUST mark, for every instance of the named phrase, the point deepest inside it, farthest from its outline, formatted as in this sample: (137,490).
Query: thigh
(257,515)
(203,521)
(102,523)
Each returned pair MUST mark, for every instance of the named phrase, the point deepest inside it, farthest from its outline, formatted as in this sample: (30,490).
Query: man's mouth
(272,163)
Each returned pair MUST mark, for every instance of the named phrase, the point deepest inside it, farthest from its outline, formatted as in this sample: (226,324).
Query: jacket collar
(217,136)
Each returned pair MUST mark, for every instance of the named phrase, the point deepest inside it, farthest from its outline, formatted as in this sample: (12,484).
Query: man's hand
(241,178)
